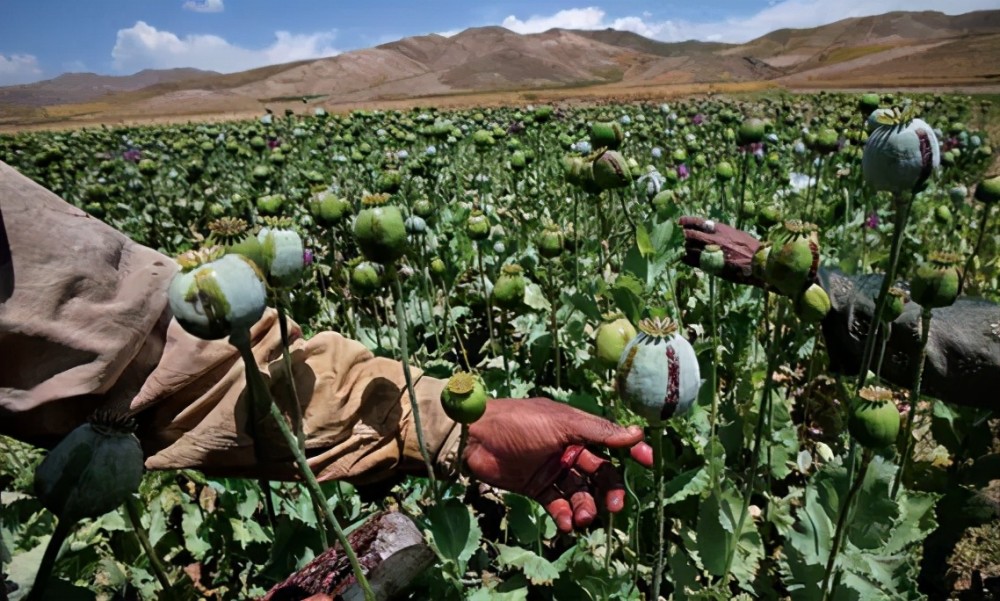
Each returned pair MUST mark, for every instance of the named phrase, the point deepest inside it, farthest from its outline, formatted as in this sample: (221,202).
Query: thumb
(595,430)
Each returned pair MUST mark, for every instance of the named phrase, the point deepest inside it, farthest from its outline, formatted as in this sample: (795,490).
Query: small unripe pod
(874,418)
(464,398)
(508,292)
(813,304)
(937,281)
(611,339)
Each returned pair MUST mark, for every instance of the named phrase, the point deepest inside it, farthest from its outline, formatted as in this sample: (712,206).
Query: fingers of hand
(574,487)
(643,453)
(558,507)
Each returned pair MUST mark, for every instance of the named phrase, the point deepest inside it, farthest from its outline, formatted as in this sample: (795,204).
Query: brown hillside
(899,48)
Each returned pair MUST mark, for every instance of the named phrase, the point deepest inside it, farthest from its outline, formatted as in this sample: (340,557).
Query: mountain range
(893,49)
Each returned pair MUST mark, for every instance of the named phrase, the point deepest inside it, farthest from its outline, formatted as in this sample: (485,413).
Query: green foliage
(621,252)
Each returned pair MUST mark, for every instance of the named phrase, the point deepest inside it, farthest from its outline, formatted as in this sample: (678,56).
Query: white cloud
(573,18)
(204,6)
(143,46)
(778,15)
(19,68)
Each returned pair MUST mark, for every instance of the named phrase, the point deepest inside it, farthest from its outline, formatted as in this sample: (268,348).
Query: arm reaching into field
(88,326)
(963,348)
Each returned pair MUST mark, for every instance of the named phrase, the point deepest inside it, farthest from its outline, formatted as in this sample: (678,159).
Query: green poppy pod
(611,171)
(937,281)
(93,470)
(606,134)
(874,419)
(988,190)
(477,226)
(508,291)
(464,398)
(379,230)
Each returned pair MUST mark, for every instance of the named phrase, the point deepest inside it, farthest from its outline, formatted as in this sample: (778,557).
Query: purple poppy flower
(698,119)
(682,171)
(872,221)
(133,155)
(307,257)
(273,143)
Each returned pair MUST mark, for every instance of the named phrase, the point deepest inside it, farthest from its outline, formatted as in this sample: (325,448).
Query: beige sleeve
(356,415)
(88,326)
(85,324)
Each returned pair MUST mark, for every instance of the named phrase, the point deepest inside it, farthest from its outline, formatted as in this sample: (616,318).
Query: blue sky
(40,39)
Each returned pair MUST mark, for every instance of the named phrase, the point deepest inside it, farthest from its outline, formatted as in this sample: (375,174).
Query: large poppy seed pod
(792,263)
(712,259)
(813,304)
(380,230)
(92,470)
(463,398)
(751,131)
(508,292)
(551,242)
(477,226)
(611,339)
(937,281)
(606,134)
(988,190)
(328,209)
(900,157)
(284,254)
(658,375)
(874,418)
(611,170)
(214,294)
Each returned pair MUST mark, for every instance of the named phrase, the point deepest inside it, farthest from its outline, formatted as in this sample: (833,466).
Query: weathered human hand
(538,447)
(737,246)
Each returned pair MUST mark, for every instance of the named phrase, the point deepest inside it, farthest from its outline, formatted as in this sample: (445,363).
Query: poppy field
(537,251)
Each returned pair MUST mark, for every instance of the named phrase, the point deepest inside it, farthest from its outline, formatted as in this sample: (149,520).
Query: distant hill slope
(86,87)
(891,49)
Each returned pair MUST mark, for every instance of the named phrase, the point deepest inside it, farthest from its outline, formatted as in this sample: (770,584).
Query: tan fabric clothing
(88,326)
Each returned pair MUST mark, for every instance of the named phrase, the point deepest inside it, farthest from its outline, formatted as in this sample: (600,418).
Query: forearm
(355,412)
(963,350)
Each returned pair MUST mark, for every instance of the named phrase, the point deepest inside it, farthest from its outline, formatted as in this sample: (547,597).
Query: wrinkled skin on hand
(737,246)
(538,447)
